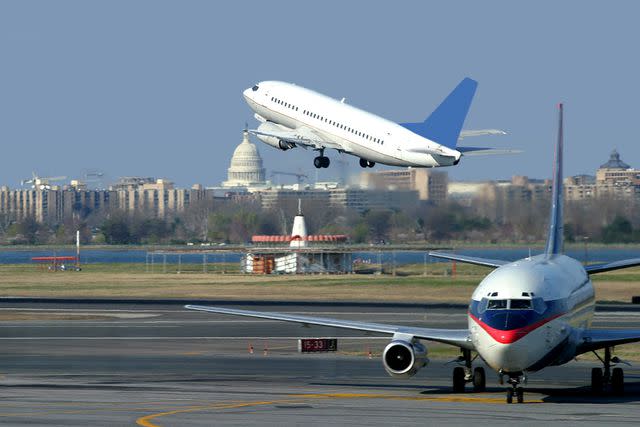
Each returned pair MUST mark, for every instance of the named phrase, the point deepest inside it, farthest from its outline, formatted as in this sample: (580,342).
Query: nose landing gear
(515,390)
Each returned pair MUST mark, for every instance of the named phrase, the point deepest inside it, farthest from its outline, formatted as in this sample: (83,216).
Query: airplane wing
(594,339)
(480,132)
(469,259)
(615,265)
(301,136)
(485,151)
(457,337)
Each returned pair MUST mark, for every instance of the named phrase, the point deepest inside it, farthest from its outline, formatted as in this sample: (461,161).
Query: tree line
(234,222)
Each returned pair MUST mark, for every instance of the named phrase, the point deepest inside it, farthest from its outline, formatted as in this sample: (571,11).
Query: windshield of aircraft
(255,88)
(536,304)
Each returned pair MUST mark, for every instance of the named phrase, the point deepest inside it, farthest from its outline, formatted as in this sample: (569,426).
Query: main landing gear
(601,378)
(464,375)
(321,161)
(364,163)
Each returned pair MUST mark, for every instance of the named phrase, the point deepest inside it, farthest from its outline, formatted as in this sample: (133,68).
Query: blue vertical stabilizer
(445,123)
(555,240)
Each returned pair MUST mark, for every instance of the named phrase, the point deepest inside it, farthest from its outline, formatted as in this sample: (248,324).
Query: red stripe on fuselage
(513,335)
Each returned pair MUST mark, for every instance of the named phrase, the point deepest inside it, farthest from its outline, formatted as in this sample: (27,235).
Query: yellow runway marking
(300,398)
(146,420)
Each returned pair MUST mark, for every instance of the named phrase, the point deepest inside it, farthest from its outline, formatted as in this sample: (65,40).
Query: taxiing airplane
(523,316)
(292,116)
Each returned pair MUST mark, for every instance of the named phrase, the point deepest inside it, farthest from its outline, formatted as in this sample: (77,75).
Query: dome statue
(246,165)
(615,162)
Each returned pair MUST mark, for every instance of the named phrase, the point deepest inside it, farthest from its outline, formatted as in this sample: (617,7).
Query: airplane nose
(247,94)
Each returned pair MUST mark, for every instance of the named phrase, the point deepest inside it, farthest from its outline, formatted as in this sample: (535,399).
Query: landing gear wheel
(479,380)
(597,381)
(325,162)
(520,394)
(458,379)
(617,381)
(510,395)
(371,164)
(317,162)
(364,163)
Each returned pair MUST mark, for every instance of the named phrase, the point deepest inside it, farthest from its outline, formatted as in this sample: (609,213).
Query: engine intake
(403,359)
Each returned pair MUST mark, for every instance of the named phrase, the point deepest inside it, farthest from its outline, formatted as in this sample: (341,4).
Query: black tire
(510,395)
(371,164)
(597,381)
(617,382)
(325,162)
(364,163)
(317,162)
(458,380)
(520,394)
(479,380)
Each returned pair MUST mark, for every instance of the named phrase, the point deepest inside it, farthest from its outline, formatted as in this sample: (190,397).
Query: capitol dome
(246,165)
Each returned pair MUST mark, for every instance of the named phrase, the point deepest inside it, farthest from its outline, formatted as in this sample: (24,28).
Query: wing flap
(457,337)
(469,259)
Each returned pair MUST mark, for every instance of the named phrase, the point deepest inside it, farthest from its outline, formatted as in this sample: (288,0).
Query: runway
(160,365)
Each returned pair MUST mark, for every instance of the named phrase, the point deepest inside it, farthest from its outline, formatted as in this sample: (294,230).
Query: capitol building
(246,170)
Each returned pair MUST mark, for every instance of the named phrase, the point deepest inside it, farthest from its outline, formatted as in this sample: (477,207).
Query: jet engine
(402,359)
(269,127)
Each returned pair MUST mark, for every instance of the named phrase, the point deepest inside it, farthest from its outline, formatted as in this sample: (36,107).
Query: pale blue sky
(154,88)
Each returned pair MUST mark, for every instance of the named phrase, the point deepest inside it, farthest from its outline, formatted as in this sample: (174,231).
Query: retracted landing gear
(364,163)
(321,161)
(464,375)
(603,377)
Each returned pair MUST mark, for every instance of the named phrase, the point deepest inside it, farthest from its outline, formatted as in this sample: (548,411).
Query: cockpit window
(497,304)
(255,88)
(521,304)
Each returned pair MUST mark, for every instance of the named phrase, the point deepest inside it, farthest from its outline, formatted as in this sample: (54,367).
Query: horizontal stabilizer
(480,132)
(469,259)
(486,151)
(615,265)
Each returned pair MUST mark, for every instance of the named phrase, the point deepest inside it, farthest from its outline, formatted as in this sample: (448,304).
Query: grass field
(415,283)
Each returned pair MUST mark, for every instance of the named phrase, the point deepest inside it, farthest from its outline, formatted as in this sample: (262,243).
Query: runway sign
(317,345)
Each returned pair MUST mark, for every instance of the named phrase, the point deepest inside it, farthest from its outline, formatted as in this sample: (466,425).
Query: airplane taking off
(523,316)
(292,116)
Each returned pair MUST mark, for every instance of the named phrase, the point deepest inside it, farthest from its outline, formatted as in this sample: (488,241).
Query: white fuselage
(357,132)
(514,338)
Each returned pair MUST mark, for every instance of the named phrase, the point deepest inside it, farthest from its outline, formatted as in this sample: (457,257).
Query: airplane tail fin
(555,244)
(445,123)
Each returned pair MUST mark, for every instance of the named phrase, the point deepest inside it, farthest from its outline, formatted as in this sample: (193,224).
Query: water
(90,256)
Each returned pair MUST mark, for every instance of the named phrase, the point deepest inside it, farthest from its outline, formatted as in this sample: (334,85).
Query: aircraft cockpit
(534,303)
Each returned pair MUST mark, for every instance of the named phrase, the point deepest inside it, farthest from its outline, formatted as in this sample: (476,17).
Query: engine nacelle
(402,359)
(269,127)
